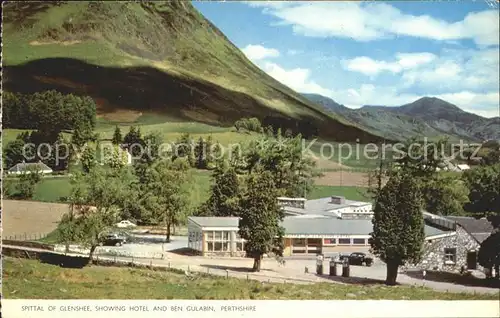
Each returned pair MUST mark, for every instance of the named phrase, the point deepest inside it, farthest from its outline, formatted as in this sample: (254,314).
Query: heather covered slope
(152,57)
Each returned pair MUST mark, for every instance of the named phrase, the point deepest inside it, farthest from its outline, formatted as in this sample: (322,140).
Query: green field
(53,189)
(24,279)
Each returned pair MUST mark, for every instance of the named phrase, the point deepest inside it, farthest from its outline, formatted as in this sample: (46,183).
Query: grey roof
(322,206)
(30,166)
(480,237)
(213,221)
(334,226)
(473,225)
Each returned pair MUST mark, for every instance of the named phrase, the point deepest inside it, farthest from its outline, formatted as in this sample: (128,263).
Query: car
(125,224)
(359,258)
(112,240)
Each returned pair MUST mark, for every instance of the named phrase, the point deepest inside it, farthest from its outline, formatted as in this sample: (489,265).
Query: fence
(25,237)
(190,270)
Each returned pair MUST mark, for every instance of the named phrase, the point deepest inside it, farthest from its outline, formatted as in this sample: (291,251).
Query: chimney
(292,202)
(337,200)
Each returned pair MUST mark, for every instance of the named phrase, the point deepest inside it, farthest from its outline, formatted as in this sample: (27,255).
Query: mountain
(427,116)
(151,58)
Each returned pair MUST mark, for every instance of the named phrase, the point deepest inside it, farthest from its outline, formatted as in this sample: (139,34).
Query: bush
(249,124)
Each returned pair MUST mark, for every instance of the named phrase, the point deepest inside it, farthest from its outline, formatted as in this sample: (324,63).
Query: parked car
(360,259)
(113,240)
(125,224)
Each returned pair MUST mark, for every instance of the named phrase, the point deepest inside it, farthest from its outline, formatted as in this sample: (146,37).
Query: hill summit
(428,116)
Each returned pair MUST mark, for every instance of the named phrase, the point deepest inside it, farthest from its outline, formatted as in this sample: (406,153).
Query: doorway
(472,260)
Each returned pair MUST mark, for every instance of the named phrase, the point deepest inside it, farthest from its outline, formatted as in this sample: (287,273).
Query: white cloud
(458,70)
(298,79)
(372,21)
(368,66)
(486,105)
(259,52)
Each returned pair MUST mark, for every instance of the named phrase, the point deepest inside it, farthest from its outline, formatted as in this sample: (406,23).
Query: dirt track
(30,217)
(343,178)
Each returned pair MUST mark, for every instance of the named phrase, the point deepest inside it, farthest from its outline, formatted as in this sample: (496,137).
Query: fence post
(189,271)
(247,277)
(25,236)
(168,265)
(208,270)
(227,274)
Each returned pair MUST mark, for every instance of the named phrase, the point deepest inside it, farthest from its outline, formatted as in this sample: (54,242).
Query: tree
(484,196)
(293,169)
(260,223)
(223,200)
(184,148)
(14,153)
(88,159)
(489,252)
(134,142)
(95,203)
(445,195)
(164,196)
(117,136)
(398,224)
(27,184)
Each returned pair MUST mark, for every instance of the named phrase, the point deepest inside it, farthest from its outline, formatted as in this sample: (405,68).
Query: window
(329,241)
(450,255)
(299,242)
(345,241)
(218,241)
(358,241)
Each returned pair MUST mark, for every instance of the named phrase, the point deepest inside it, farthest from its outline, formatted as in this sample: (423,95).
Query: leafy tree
(164,197)
(184,148)
(117,136)
(115,157)
(95,203)
(223,200)
(445,195)
(421,158)
(200,154)
(88,159)
(134,142)
(489,252)
(484,196)
(398,225)
(27,184)
(260,218)
(293,169)
(14,153)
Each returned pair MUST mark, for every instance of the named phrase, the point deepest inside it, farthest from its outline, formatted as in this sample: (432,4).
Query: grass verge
(24,279)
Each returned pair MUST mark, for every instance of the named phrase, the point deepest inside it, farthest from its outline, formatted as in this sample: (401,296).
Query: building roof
(214,221)
(479,228)
(323,206)
(334,226)
(30,166)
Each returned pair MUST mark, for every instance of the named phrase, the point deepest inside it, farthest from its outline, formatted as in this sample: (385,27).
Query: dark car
(360,259)
(113,240)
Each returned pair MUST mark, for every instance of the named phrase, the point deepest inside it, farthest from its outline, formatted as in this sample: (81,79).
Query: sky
(372,53)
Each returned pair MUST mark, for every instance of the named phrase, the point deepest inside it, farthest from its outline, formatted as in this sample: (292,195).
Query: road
(292,271)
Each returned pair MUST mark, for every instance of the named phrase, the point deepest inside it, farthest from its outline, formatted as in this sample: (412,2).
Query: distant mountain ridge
(427,116)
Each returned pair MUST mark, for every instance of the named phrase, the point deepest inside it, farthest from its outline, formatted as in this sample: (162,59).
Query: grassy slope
(28,279)
(162,57)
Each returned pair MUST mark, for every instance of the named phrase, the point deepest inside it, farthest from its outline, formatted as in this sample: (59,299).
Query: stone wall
(434,257)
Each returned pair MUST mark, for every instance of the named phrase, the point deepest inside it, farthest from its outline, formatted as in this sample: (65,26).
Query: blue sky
(376,53)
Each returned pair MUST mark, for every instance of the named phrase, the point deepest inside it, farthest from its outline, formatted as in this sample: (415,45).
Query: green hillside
(148,58)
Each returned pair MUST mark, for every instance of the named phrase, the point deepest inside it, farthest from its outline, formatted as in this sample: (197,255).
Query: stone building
(457,250)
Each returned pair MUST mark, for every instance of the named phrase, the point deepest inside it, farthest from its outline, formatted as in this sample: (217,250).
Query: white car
(125,223)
